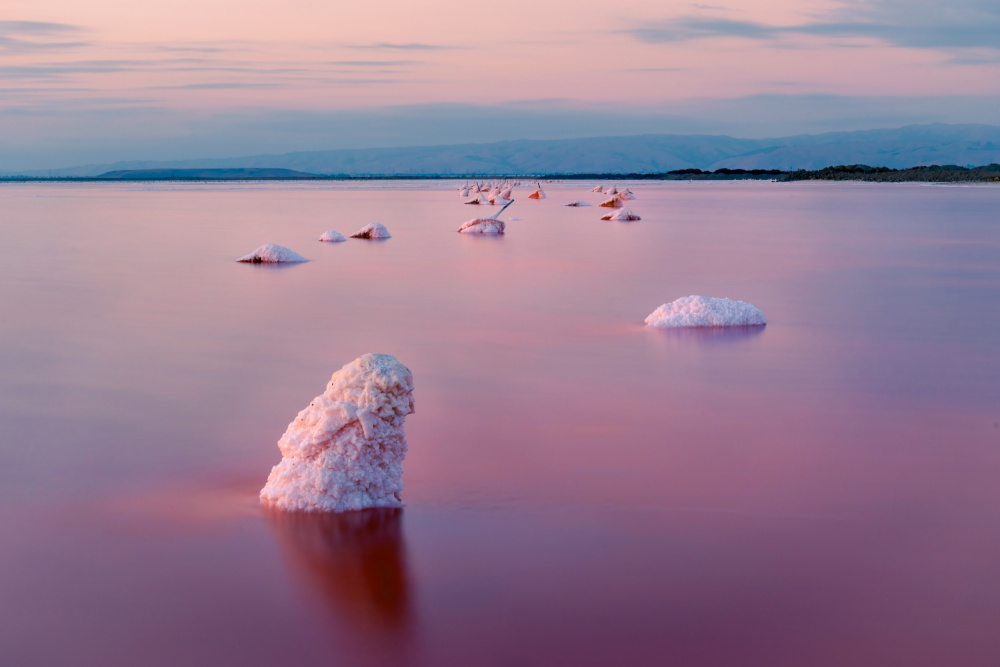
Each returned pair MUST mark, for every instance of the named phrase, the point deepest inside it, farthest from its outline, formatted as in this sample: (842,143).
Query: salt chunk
(345,450)
(626,195)
(373,230)
(332,237)
(703,311)
(271,252)
(621,215)
(613,202)
(599,188)
(578,202)
(483,226)
(537,194)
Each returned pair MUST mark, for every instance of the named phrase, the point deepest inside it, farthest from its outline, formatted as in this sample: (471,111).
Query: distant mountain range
(910,146)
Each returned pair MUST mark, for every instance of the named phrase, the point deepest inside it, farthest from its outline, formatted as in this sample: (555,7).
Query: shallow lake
(579,489)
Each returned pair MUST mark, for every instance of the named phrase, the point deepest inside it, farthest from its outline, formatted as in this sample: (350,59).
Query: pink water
(579,489)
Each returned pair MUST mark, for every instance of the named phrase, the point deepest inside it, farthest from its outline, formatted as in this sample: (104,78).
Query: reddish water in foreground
(580,490)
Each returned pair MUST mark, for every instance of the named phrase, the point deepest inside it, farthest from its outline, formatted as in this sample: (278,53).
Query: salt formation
(272,253)
(621,215)
(626,195)
(345,450)
(332,237)
(373,230)
(537,194)
(599,188)
(483,226)
(613,202)
(703,311)
(577,203)
(479,199)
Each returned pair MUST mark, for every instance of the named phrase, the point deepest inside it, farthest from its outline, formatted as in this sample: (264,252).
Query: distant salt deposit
(613,202)
(272,253)
(621,215)
(703,311)
(537,194)
(599,188)
(626,195)
(345,450)
(578,202)
(479,200)
(483,226)
(332,237)
(373,230)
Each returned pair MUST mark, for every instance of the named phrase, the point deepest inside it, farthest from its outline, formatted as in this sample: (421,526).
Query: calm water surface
(580,490)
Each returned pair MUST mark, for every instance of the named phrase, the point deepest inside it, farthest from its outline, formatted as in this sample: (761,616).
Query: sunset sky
(101,81)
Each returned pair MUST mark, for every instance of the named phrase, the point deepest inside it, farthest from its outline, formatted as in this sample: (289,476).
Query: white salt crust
(621,215)
(345,450)
(704,311)
(373,230)
(578,202)
(272,253)
(332,237)
(483,226)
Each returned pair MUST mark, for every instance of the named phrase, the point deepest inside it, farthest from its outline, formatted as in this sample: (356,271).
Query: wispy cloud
(906,23)
(374,63)
(413,46)
(26,36)
(217,86)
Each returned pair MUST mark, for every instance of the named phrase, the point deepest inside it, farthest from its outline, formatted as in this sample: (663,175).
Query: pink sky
(79,59)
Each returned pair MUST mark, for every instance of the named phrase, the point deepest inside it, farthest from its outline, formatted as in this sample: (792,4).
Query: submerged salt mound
(537,194)
(621,215)
(373,230)
(345,450)
(483,226)
(577,203)
(272,253)
(626,195)
(599,188)
(613,202)
(704,311)
(479,200)
(332,237)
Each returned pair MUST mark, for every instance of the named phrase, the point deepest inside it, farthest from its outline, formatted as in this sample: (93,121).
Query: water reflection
(709,335)
(355,561)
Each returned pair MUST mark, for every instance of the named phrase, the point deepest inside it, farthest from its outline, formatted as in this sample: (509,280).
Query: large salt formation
(704,311)
(483,226)
(272,253)
(345,450)
(373,230)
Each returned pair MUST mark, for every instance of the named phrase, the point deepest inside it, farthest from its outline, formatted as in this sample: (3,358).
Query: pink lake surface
(579,489)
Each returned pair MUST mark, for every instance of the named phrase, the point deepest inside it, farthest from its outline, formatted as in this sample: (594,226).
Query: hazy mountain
(903,147)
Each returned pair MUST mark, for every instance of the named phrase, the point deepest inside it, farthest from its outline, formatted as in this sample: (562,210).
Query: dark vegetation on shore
(856,172)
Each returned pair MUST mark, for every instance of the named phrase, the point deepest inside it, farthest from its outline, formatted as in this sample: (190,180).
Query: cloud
(404,47)
(374,63)
(217,86)
(927,24)
(26,36)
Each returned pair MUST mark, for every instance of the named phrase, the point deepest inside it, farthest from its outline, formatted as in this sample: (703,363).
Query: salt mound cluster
(483,226)
(345,450)
(373,230)
(332,237)
(621,215)
(272,253)
(577,203)
(704,311)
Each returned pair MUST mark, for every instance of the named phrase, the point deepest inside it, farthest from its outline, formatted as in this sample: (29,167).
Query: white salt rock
(373,230)
(271,252)
(613,202)
(464,192)
(345,450)
(332,237)
(506,193)
(621,215)
(611,191)
(479,200)
(599,188)
(704,311)
(626,195)
(577,203)
(483,226)
(537,194)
